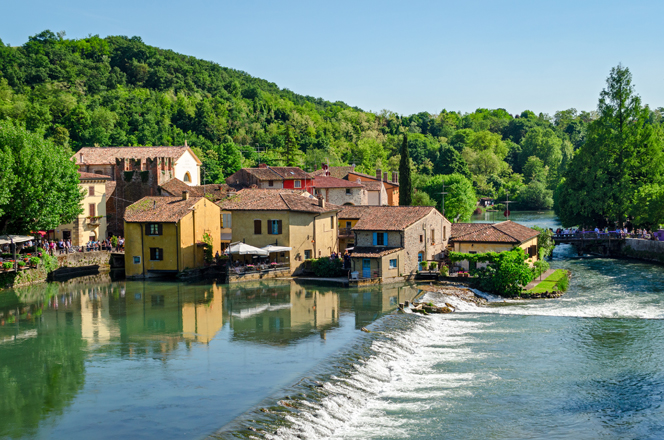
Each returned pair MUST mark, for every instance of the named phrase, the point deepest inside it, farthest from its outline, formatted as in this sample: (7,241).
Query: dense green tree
(39,182)
(535,196)
(622,154)
(449,161)
(460,200)
(405,183)
(534,169)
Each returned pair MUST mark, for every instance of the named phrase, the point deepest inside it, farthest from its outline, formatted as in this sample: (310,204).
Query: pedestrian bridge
(591,237)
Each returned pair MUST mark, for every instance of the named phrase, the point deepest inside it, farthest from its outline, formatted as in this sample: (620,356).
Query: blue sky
(401,56)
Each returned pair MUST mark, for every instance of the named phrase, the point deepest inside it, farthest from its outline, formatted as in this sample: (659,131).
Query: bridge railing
(612,235)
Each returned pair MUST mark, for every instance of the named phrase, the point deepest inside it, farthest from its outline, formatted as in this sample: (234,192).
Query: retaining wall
(649,250)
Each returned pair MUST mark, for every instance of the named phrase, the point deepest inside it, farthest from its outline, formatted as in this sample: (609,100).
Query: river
(278,360)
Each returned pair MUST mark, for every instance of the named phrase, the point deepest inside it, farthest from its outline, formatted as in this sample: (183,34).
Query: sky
(403,56)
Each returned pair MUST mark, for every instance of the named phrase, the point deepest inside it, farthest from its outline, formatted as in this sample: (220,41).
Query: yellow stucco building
(475,238)
(295,219)
(166,234)
(91,223)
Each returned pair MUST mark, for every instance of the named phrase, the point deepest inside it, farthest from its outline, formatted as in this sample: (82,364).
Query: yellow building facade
(91,223)
(166,234)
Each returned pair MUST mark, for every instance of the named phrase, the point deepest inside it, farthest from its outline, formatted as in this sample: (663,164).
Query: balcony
(93,221)
(345,232)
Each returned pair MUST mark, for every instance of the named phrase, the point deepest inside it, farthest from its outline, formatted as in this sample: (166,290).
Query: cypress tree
(405,183)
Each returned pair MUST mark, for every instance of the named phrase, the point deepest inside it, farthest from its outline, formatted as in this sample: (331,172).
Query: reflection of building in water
(370,304)
(158,316)
(96,324)
(279,313)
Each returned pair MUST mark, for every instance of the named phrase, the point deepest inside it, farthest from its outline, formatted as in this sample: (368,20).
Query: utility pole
(507,206)
(443,194)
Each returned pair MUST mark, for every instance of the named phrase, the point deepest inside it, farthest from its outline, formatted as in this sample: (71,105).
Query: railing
(260,268)
(345,232)
(612,235)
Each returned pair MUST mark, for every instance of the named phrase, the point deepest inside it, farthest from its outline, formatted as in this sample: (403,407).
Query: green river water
(95,358)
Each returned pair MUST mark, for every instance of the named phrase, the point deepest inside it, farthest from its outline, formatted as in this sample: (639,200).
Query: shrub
(324,267)
(50,263)
(207,239)
(433,265)
(21,263)
(35,261)
(7,265)
(114,241)
(563,284)
(444,271)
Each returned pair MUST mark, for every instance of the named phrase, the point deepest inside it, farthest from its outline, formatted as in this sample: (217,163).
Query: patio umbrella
(273,248)
(246,249)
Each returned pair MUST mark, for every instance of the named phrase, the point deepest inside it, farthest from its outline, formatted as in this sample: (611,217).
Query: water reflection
(54,338)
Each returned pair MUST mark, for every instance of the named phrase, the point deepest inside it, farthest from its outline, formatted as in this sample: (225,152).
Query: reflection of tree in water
(39,376)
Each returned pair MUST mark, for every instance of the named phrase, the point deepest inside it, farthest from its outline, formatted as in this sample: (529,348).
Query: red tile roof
(372,252)
(391,218)
(82,175)
(369,176)
(338,172)
(278,173)
(333,182)
(107,155)
(252,199)
(352,212)
(504,232)
(372,185)
(175,187)
(160,209)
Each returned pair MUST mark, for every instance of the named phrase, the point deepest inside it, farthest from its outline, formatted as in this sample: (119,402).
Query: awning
(226,236)
(246,249)
(272,248)
(7,239)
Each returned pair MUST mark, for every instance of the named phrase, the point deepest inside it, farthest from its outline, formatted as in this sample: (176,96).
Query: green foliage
(50,263)
(114,241)
(420,198)
(460,200)
(545,243)
(7,265)
(35,261)
(539,267)
(327,268)
(21,263)
(38,183)
(605,180)
(405,182)
(535,196)
(207,239)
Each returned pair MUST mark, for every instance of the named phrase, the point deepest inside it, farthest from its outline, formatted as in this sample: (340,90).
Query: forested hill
(119,91)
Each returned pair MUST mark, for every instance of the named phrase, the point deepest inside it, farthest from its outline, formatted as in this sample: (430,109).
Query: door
(420,257)
(366,268)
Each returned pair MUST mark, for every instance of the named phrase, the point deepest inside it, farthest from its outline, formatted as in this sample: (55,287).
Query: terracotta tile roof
(372,252)
(251,199)
(110,188)
(263,173)
(390,218)
(504,232)
(333,182)
(278,173)
(369,176)
(372,185)
(160,209)
(107,155)
(175,187)
(82,175)
(338,172)
(352,212)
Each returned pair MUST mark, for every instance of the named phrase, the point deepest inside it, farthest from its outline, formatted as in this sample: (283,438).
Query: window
(332,223)
(421,238)
(226,221)
(270,183)
(93,210)
(298,184)
(433,235)
(393,264)
(307,254)
(348,225)
(91,190)
(444,232)
(380,238)
(137,260)
(154,229)
(274,227)
(156,254)
(187,177)
(348,191)
(258,227)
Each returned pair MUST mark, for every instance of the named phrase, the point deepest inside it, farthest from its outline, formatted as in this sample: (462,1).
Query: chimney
(378,173)
(185,195)
(185,143)
(81,155)
(385,176)
(395,177)
(321,202)
(262,165)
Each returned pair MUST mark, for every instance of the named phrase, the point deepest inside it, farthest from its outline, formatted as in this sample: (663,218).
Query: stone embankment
(649,250)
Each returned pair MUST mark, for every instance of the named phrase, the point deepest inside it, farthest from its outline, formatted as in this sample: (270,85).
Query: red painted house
(272,177)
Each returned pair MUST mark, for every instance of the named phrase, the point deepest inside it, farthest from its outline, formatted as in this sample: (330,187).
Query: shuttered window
(156,254)
(380,238)
(274,227)
(91,190)
(93,210)
(154,229)
(226,219)
(258,227)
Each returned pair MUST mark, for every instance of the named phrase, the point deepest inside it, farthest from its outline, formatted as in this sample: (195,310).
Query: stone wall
(338,196)
(649,250)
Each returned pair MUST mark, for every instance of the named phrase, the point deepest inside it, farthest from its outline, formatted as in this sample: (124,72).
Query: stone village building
(295,219)
(165,235)
(340,192)
(91,223)
(391,242)
(380,189)
(476,238)
(136,172)
(267,177)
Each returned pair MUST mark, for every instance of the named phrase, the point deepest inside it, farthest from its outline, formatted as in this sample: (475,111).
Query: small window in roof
(187,177)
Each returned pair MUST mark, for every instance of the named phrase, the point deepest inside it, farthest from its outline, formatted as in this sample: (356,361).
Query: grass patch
(556,281)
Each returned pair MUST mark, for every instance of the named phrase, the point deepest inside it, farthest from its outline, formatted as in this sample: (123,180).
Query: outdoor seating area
(247,259)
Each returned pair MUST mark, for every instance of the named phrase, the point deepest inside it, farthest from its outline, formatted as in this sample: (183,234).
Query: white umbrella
(7,239)
(246,249)
(273,248)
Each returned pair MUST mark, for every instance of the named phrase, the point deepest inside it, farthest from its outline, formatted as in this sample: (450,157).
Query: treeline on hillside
(119,91)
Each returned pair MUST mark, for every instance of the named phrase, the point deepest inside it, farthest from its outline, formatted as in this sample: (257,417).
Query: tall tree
(622,153)
(405,182)
(290,148)
(460,200)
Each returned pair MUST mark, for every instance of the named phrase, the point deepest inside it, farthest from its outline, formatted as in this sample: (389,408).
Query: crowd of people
(345,257)
(624,232)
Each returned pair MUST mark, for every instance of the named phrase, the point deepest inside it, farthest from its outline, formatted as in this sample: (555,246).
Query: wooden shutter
(280,231)
(93,210)
(384,238)
(375,238)
(257,227)
(91,190)
(161,229)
